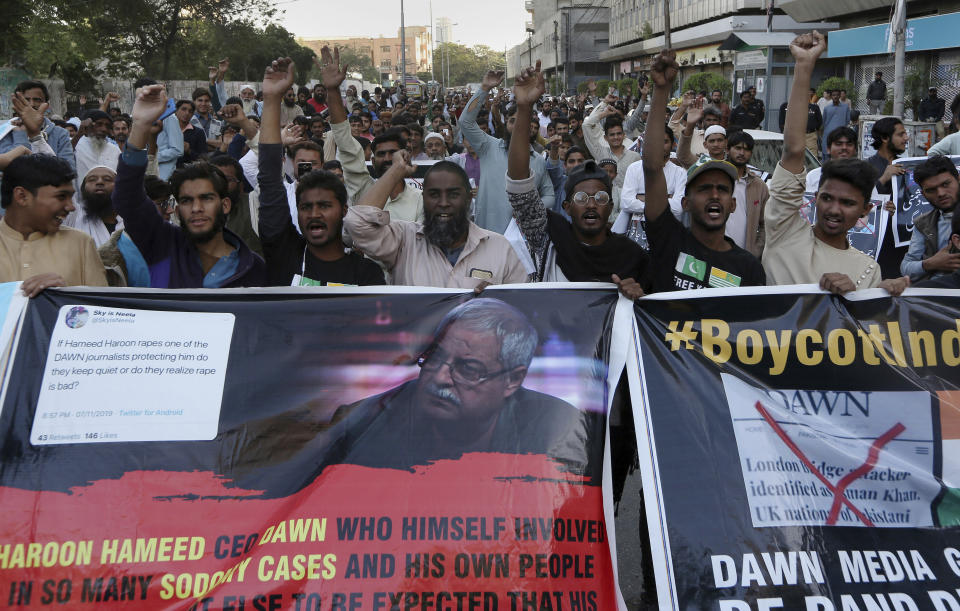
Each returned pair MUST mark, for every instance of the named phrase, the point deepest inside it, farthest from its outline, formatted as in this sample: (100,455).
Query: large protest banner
(310,449)
(800,450)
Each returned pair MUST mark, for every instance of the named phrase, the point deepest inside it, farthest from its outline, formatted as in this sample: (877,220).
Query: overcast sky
(496,23)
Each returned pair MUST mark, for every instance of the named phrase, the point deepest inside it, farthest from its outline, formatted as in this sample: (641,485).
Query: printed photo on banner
(908,198)
(429,449)
(800,452)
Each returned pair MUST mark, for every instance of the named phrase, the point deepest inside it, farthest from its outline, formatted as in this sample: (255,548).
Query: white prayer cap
(714,129)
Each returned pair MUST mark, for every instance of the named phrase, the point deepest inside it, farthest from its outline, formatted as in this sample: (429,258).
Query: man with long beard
(447,249)
(405,199)
(201,253)
(93,148)
(95,215)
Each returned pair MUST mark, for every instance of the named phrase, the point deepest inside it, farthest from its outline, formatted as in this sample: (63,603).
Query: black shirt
(581,262)
(285,250)
(286,255)
(745,117)
(814,117)
(198,146)
(880,165)
(681,262)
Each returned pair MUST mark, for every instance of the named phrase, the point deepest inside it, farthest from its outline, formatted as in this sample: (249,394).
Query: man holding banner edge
(795,253)
(701,256)
(582,249)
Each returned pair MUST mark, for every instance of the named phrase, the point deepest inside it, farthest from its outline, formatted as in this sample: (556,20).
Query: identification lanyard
(302,280)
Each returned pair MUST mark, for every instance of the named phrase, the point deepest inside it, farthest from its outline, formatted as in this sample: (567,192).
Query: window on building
(385,49)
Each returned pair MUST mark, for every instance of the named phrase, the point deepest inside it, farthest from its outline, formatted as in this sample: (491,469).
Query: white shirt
(91,225)
(633,184)
(813,180)
(736,228)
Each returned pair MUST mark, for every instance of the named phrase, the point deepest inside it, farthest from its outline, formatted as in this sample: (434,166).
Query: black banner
(298,449)
(801,450)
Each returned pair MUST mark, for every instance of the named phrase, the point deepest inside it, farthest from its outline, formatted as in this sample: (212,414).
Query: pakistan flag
(689,265)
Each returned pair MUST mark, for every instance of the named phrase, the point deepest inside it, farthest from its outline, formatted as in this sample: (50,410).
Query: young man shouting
(795,253)
(701,256)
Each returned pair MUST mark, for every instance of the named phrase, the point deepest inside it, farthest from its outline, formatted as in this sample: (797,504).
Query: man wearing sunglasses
(469,397)
(582,249)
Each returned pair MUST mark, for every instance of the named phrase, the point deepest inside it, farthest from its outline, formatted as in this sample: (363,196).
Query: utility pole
(571,69)
(556,55)
(433,34)
(666,24)
(403,51)
(900,34)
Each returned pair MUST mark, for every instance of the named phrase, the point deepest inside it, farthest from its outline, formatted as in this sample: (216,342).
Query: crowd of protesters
(330,186)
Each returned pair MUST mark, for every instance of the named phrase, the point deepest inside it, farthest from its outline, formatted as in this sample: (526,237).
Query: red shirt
(317,107)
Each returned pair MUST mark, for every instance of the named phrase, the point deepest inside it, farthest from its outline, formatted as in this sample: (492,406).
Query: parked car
(767,149)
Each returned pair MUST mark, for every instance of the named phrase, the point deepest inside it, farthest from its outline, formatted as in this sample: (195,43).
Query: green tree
(836,82)
(82,42)
(708,82)
(467,64)
(13,26)
(250,49)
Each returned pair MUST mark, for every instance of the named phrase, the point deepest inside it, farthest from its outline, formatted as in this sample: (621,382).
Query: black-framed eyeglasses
(463,371)
(601,197)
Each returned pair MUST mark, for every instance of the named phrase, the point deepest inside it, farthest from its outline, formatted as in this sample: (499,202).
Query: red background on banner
(171,504)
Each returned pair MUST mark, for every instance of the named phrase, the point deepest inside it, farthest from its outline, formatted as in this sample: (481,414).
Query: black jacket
(877,90)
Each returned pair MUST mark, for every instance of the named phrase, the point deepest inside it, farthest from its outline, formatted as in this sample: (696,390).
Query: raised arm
(676,119)
(332,76)
(593,128)
(141,220)
(278,74)
(663,72)
(805,49)
(274,211)
(528,88)
(233,114)
(694,113)
(634,122)
(110,98)
(217,90)
(379,192)
(468,119)
(529,210)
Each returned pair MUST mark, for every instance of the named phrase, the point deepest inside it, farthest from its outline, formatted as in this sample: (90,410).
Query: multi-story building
(385,53)
(860,47)
(444,30)
(744,41)
(568,37)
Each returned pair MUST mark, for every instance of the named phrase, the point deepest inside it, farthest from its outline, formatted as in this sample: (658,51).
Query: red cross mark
(839,499)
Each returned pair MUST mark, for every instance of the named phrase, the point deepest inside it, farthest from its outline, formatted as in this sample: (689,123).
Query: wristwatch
(41,137)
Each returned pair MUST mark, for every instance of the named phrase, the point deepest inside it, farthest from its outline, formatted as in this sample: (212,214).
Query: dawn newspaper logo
(837,457)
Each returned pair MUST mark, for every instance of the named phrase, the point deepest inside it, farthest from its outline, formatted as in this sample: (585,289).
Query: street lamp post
(433,34)
(403,51)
